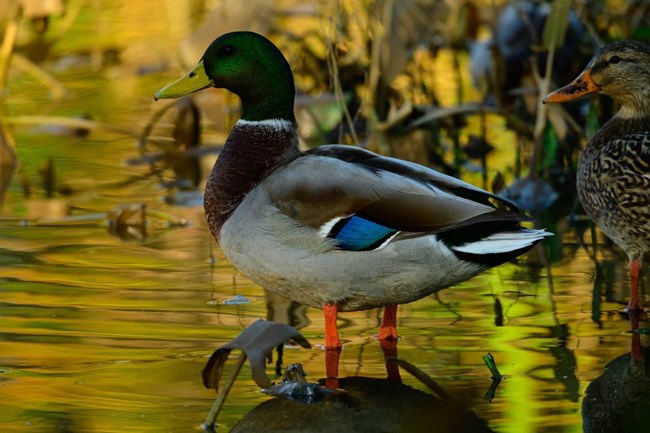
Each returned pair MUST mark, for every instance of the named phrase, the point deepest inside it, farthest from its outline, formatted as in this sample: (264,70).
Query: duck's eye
(227,50)
(614,60)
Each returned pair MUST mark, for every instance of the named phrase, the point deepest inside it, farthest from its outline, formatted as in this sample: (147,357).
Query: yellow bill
(194,80)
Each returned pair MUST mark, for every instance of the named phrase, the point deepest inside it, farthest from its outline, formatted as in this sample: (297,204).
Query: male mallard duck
(336,227)
(614,168)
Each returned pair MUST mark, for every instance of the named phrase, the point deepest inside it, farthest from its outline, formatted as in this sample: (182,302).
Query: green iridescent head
(250,66)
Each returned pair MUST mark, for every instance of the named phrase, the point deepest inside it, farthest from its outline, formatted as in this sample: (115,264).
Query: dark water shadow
(618,401)
(365,405)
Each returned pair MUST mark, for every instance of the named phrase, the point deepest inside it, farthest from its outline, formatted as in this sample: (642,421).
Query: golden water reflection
(112,336)
(102,334)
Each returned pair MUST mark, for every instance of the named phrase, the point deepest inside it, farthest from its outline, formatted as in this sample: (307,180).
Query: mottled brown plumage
(613,176)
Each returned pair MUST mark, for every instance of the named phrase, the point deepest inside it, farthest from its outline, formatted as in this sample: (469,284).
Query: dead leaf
(257,341)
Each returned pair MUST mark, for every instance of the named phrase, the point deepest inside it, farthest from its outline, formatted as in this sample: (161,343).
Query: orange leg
(388,328)
(332,346)
(635,273)
(331,330)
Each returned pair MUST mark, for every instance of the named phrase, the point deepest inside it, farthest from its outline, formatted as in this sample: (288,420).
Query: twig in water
(209,424)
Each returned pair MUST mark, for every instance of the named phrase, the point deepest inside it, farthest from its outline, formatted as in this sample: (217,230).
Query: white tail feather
(503,242)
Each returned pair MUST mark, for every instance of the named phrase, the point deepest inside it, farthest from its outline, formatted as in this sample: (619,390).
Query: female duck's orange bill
(583,85)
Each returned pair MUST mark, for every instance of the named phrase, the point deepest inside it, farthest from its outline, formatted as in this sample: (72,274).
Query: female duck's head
(619,69)
(248,65)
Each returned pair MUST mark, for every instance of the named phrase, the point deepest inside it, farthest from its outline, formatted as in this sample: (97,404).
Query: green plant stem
(540,121)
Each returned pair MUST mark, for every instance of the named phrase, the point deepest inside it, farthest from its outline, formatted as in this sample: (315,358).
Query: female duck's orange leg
(388,328)
(635,272)
(332,346)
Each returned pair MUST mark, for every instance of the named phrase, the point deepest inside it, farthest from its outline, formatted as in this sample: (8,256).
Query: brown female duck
(614,170)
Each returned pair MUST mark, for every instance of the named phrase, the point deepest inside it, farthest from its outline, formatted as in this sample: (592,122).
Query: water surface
(101,333)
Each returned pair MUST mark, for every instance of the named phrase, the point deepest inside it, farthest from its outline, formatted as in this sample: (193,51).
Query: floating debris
(256,343)
(236,300)
(128,221)
(294,386)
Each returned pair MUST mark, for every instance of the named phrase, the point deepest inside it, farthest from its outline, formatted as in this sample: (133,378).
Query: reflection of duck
(613,183)
(367,405)
(337,227)
(619,400)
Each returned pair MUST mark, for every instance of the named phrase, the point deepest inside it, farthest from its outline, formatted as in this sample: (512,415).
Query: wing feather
(332,182)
